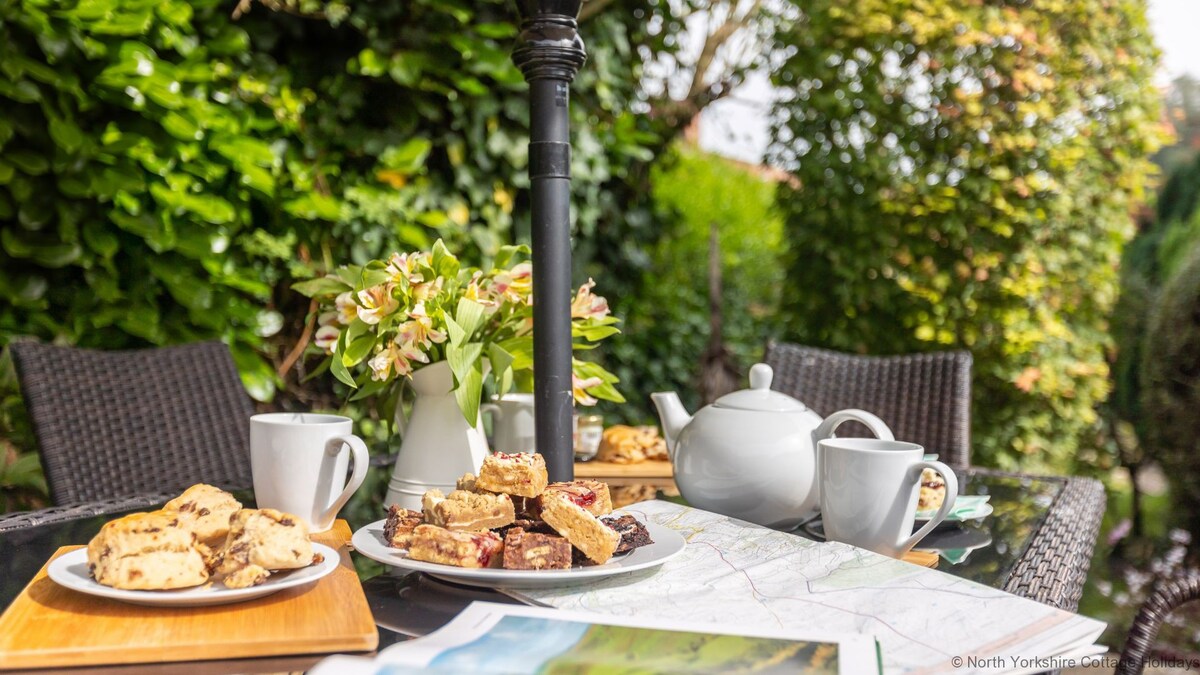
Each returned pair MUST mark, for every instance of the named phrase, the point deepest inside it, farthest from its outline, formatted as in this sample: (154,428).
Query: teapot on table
(752,453)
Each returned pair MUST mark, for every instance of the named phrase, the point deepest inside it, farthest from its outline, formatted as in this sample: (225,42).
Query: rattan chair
(116,423)
(924,398)
(1166,596)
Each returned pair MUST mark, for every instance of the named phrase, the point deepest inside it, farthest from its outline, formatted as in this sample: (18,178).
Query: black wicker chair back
(116,423)
(1168,594)
(924,398)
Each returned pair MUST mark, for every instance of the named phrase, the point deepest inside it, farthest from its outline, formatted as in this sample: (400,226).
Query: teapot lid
(760,396)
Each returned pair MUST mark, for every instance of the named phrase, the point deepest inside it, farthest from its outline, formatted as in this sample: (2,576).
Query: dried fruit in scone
(633,533)
(585,532)
(206,510)
(147,551)
(261,541)
(592,495)
(522,474)
(470,511)
(621,444)
(434,544)
(933,491)
(533,551)
(398,528)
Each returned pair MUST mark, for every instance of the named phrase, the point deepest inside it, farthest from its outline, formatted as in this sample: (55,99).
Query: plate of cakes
(511,528)
(202,548)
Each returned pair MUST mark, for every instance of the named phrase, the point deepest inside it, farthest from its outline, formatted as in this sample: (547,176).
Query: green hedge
(168,171)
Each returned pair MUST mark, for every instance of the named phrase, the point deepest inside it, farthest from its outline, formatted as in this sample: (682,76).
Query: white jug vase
(437,444)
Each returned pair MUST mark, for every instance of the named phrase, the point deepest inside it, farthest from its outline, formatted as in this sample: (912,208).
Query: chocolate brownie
(633,533)
(398,529)
(532,551)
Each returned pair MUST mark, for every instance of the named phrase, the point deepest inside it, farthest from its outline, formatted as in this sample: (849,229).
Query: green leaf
(321,286)
(407,158)
(504,259)
(469,316)
(444,263)
(357,350)
(338,368)
(313,206)
(457,335)
(28,161)
(64,133)
(501,362)
(461,359)
(468,393)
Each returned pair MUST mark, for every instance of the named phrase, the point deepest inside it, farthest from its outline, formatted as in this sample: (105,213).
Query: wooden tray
(48,625)
(649,471)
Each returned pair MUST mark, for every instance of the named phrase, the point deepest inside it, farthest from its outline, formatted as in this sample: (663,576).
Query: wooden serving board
(51,626)
(648,469)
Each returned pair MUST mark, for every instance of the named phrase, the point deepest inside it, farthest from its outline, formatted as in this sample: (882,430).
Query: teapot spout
(673,415)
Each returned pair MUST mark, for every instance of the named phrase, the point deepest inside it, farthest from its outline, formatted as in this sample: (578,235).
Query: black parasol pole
(549,53)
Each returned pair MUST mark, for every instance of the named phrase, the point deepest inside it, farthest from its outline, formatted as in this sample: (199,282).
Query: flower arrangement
(418,308)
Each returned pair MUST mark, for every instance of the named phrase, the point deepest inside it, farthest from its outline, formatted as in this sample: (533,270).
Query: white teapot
(752,454)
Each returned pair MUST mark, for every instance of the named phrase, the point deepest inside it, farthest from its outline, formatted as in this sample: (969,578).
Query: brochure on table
(495,638)
(734,573)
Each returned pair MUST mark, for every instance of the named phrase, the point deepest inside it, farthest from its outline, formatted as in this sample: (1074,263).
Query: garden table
(1041,535)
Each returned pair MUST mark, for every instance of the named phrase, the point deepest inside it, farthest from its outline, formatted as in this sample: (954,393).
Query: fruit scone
(434,544)
(596,540)
(206,510)
(469,511)
(148,551)
(592,495)
(262,541)
(521,475)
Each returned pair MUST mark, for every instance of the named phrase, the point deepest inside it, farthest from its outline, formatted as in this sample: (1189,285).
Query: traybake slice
(592,495)
(398,529)
(596,540)
(468,511)
(434,544)
(533,551)
(522,474)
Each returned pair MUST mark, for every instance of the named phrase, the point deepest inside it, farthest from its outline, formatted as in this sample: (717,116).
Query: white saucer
(71,571)
(667,544)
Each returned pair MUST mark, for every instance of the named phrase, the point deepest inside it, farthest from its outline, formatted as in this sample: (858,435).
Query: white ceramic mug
(299,463)
(512,423)
(869,491)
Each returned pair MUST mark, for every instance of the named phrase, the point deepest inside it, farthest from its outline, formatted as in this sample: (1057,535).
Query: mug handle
(947,504)
(831,423)
(360,459)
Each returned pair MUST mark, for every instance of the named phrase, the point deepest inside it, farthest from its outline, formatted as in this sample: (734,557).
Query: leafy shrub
(1170,395)
(965,180)
(667,330)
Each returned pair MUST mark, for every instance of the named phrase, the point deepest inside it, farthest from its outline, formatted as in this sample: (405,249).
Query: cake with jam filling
(434,544)
(534,551)
(596,540)
(521,475)
(592,495)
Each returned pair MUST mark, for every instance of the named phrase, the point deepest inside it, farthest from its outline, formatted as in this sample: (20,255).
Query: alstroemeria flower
(475,292)
(419,329)
(347,310)
(376,302)
(515,285)
(588,305)
(327,337)
(423,291)
(579,389)
(396,359)
(404,266)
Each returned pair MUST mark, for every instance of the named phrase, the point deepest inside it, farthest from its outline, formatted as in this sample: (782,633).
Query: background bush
(965,181)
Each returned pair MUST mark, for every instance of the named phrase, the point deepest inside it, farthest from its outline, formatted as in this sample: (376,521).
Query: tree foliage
(967,171)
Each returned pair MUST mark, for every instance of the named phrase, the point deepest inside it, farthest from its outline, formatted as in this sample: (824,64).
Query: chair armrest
(56,514)
(1167,595)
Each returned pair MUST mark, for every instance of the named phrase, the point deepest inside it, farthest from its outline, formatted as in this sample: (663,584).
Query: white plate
(667,544)
(983,511)
(71,570)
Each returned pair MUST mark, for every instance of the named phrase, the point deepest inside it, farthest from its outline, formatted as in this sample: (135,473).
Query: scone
(522,474)
(260,541)
(206,510)
(933,491)
(147,551)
